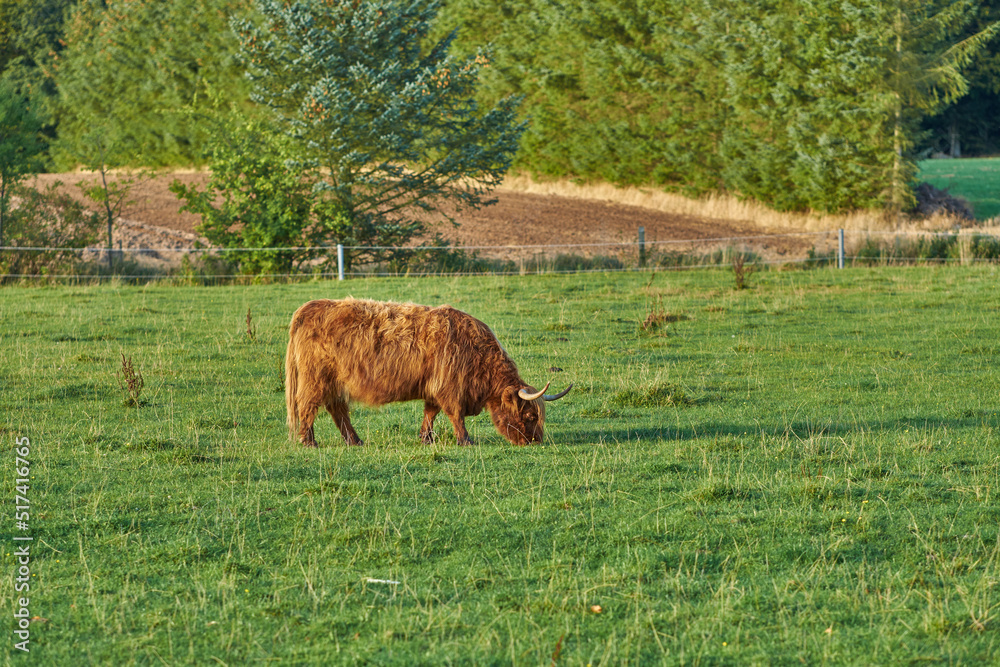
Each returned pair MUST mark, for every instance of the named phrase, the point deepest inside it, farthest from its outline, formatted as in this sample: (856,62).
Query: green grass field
(804,472)
(975,179)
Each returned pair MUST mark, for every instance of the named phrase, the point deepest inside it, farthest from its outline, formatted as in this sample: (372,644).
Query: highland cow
(377,352)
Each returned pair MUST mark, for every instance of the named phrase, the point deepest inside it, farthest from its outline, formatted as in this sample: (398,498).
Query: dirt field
(154,220)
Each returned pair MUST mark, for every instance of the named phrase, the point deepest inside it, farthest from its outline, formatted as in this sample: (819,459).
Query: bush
(253,200)
(50,220)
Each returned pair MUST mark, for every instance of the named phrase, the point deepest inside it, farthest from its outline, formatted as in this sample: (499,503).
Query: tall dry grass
(728,207)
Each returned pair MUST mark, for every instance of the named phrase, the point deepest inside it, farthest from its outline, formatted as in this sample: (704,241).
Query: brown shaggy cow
(378,352)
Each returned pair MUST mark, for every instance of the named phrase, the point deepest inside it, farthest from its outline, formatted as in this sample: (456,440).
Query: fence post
(642,247)
(340,261)
(840,248)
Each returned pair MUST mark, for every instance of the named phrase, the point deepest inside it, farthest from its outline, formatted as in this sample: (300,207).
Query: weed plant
(802,473)
(131,382)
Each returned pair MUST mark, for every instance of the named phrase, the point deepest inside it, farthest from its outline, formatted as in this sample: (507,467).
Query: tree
(155,70)
(103,152)
(971,126)
(807,110)
(388,131)
(254,201)
(800,104)
(19,145)
(825,96)
(926,72)
(31,44)
(48,227)
(637,103)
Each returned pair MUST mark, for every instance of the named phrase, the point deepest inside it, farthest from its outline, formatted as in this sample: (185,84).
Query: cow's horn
(523,393)
(556,397)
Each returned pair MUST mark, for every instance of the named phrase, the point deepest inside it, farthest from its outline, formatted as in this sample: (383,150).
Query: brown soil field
(153,219)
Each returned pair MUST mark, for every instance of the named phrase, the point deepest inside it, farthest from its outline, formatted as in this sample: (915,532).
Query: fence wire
(795,248)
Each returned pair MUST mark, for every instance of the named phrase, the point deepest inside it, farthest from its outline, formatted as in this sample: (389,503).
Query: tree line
(801,104)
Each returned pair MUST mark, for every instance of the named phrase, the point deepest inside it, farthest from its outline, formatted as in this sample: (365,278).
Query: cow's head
(521,415)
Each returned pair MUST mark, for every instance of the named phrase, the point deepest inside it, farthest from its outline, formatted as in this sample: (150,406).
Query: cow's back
(382,352)
(369,351)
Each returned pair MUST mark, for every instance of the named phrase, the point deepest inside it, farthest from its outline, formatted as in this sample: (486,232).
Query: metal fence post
(642,247)
(340,262)
(840,248)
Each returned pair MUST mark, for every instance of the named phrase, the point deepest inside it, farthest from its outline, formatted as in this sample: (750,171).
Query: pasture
(803,472)
(975,179)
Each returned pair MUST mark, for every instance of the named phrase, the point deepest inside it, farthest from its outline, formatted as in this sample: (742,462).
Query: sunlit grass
(975,179)
(801,472)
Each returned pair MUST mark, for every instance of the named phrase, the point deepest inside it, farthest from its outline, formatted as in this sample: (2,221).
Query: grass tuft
(660,396)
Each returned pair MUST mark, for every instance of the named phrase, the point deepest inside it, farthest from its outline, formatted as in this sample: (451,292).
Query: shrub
(50,220)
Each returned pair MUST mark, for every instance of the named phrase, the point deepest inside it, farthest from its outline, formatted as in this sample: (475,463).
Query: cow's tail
(292,387)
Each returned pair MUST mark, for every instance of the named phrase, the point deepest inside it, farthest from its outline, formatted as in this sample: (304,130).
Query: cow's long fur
(378,352)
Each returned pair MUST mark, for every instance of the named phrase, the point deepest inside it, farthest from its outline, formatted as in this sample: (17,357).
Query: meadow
(802,472)
(975,179)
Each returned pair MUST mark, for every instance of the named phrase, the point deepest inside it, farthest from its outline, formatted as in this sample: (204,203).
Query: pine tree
(389,130)
(151,70)
(826,95)
(925,71)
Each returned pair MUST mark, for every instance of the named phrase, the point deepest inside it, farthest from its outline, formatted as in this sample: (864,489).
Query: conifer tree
(825,95)
(385,123)
(152,71)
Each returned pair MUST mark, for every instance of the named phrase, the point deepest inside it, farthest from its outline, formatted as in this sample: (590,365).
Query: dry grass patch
(729,207)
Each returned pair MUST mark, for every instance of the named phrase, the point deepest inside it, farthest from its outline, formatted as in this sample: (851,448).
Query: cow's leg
(306,434)
(339,411)
(308,407)
(458,423)
(427,428)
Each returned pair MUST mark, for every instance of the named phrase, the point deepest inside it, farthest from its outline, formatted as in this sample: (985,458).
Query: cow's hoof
(311,444)
(467,442)
(427,438)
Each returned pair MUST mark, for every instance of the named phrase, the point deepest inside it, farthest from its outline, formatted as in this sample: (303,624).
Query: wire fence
(839,248)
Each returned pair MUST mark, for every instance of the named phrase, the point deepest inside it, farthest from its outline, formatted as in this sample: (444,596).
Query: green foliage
(818,104)
(46,219)
(828,495)
(970,126)
(31,44)
(255,201)
(638,103)
(388,131)
(148,70)
(19,145)
(799,135)
(801,105)
(802,134)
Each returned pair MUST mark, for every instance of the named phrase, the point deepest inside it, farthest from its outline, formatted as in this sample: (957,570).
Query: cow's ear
(509,398)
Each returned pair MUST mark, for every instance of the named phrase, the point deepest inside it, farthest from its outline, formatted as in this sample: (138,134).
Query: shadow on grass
(799,430)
